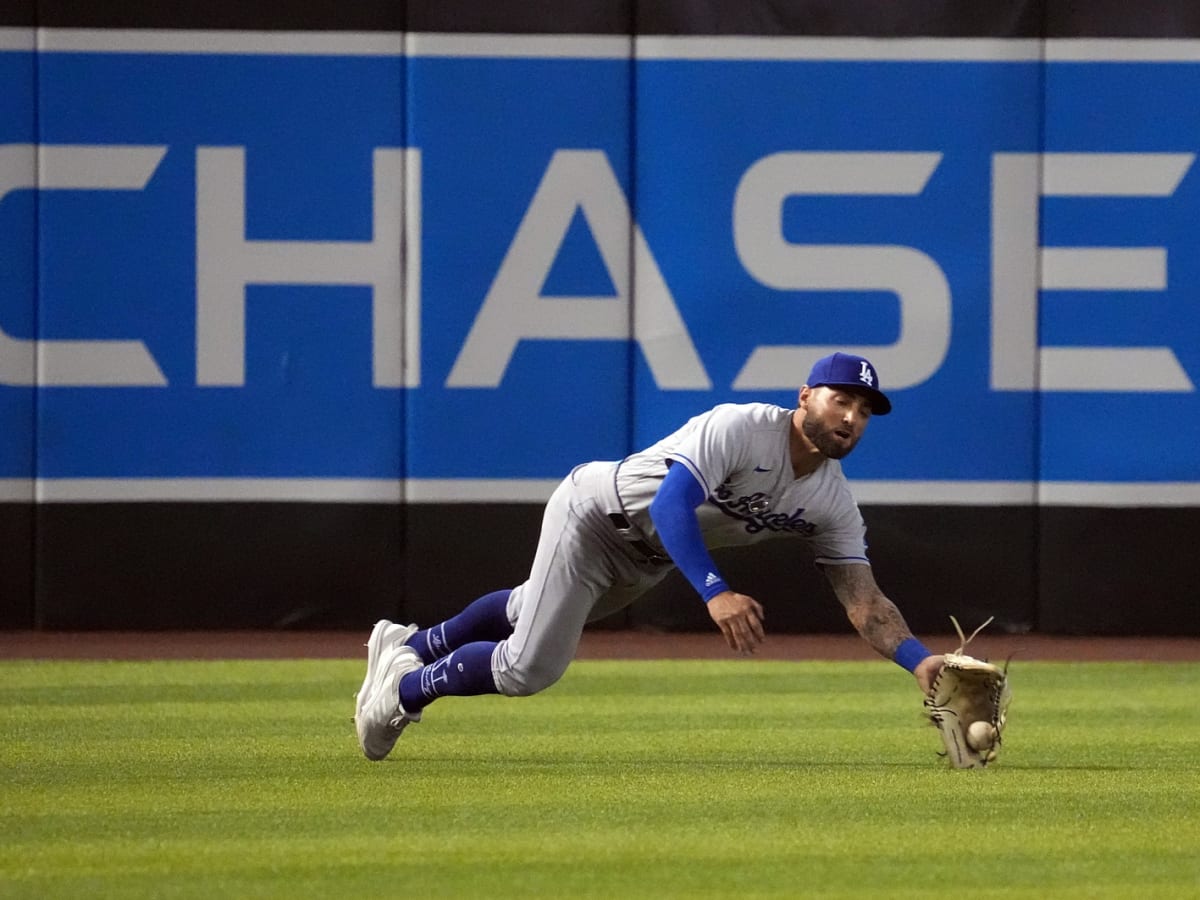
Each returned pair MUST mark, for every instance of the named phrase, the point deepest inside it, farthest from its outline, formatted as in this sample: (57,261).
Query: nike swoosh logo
(761,469)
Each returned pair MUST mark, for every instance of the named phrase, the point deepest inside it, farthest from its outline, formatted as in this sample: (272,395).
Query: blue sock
(486,619)
(466,672)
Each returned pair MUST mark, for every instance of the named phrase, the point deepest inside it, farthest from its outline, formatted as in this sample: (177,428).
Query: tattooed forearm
(880,624)
(871,613)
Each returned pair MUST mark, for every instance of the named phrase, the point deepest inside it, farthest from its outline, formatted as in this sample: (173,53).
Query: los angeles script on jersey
(755,510)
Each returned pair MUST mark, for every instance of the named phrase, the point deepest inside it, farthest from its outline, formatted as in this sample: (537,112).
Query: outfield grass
(627,779)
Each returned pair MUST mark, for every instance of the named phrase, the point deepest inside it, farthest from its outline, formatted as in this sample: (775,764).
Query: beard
(826,440)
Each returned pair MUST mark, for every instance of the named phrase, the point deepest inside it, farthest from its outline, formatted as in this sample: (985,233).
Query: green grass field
(627,779)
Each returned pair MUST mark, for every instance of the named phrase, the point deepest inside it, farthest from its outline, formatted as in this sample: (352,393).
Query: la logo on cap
(866,376)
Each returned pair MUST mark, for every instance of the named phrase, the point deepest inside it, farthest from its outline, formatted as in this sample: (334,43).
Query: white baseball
(981,735)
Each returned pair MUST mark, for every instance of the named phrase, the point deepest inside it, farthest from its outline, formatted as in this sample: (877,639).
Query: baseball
(981,735)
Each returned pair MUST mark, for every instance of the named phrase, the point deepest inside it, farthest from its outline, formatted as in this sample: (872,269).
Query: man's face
(834,419)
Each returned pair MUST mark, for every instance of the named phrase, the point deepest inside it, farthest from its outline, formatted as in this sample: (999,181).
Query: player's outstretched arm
(877,619)
(673,512)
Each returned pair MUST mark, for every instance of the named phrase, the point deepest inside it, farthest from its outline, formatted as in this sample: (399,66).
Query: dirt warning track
(597,644)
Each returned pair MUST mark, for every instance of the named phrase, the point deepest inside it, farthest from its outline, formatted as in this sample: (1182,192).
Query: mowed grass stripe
(656,779)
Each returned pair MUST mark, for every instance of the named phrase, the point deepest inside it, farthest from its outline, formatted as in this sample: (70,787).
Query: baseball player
(737,474)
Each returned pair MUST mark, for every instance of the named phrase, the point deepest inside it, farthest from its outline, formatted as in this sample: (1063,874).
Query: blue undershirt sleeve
(673,512)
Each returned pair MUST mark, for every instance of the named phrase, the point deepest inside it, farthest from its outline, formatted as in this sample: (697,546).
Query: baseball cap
(850,371)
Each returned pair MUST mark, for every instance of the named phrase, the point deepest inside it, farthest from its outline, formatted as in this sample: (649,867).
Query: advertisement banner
(18,268)
(426,260)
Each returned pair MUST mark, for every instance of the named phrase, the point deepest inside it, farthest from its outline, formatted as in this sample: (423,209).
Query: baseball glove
(968,703)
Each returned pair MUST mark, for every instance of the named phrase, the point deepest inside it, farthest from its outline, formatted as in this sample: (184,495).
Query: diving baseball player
(737,474)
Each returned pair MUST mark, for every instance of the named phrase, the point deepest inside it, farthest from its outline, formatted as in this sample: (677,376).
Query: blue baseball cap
(845,370)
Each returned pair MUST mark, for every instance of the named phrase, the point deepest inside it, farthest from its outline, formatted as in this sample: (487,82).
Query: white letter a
(514,309)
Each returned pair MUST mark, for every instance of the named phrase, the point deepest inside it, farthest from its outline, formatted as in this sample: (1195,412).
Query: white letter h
(226,262)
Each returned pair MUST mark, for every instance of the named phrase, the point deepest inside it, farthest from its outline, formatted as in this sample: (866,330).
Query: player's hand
(927,670)
(740,619)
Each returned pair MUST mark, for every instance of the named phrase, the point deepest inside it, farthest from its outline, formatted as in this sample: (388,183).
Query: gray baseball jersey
(740,454)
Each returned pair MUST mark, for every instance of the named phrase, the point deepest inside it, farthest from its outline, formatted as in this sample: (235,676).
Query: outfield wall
(303,313)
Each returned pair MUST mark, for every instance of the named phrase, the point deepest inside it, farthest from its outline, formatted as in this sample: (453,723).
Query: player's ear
(805,393)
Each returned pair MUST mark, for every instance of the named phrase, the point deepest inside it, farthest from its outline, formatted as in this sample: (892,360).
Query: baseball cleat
(378,716)
(385,636)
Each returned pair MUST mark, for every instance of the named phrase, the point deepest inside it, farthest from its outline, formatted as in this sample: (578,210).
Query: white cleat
(385,636)
(378,716)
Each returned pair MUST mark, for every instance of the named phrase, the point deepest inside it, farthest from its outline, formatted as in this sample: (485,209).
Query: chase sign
(450,268)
